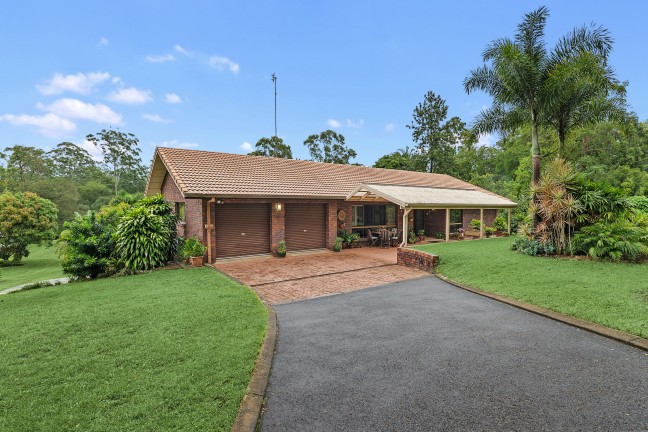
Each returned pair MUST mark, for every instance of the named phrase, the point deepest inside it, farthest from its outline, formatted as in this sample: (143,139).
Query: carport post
(509,222)
(407,211)
(447,225)
(481,223)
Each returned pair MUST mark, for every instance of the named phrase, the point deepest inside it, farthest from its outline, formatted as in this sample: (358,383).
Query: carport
(410,198)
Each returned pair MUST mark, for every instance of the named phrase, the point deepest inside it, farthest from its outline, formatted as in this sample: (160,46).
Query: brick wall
(194,213)
(470,214)
(417,259)
(277,225)
(435,221)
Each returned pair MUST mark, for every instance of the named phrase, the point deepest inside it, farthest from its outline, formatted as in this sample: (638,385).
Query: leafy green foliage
(500,223)
(272,147)
(25,218)
(434,136)
(337,246)
(638,203)
(192,247)
(532,247)
(161,207)
(142,239)
(402,159)
(348,237)
(475,224)
(86,245)
(281,247)
(617,239)
(329,147)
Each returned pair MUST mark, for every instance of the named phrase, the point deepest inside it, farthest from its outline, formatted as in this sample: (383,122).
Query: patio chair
(373,239)
(385,238)
(396,237)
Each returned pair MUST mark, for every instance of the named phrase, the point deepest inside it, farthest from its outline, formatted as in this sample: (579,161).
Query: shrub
(532,247)
(86,245)
(638,203)
(338,244)
(348,238)
(281,248)
(142,240)
(420,233)
(475,224)
(192,247)
(489,231)
(411,237)
(161,207)
(440,235)
(500,223)
(616,240)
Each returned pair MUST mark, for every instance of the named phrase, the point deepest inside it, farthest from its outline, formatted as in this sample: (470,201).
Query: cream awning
(429,197)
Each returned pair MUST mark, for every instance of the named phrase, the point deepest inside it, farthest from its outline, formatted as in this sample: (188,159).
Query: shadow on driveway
(424,355)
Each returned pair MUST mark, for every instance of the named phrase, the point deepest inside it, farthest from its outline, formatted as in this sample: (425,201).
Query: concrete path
(423,355)
(63,280)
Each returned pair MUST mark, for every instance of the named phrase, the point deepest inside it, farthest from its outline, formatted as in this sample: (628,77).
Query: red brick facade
(194,210)
(470,214)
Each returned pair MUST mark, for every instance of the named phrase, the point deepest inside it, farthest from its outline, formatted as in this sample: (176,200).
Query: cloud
(103,42)
(160,58)
(156,118)
(179,144)
(222,63)
(390,127)
(353,125)
(486,140)
(74,108)
(246,146)
(333,123)
(95,152)
(181,50)
(131,96)
(172,98)
(49,124)
(80,83)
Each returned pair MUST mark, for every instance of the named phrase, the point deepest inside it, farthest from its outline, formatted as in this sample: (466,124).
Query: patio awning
(429,197)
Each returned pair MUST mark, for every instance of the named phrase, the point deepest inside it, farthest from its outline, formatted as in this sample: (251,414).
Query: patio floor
(302,275)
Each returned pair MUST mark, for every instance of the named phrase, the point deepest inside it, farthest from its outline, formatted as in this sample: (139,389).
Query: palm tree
(521,79)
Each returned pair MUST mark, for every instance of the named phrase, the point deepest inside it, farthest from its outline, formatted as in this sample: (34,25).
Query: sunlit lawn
(169,350)
(41,264)
(612,294)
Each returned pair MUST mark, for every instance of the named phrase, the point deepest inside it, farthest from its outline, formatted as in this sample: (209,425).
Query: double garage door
(244,229)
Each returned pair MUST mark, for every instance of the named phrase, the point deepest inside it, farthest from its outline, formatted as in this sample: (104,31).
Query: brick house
(243,205)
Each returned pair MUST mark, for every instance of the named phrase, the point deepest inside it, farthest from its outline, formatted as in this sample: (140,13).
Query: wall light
(219,201)
(278,207)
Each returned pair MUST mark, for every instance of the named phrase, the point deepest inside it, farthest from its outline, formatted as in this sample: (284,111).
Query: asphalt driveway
(423,355)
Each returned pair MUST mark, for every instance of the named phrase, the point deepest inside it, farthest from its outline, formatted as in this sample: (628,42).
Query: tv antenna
(274,80)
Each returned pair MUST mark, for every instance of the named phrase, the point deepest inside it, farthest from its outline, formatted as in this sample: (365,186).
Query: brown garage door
(242,229)
(305,226)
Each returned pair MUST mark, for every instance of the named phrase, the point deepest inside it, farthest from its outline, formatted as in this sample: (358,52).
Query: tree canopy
(272,147)
(329,146)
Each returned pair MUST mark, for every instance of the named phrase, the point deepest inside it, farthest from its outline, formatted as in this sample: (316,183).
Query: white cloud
(160,58)
(486,140)
(181,50)
(390,127)
(116,80)
(80,83)
(94,151)
(103,41)
(246,146)
(156,118)
(49,124)
(74,108)
(131,95)
(179,144)
(172,98)
(333,123)
(222,63)
(353,125)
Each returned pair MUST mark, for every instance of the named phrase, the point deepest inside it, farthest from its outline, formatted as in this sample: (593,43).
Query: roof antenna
(274,80)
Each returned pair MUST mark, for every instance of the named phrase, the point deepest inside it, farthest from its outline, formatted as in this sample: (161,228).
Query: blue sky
(196,74)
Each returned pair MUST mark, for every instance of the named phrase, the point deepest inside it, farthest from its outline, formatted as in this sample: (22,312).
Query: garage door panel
(242,229)
(305,226)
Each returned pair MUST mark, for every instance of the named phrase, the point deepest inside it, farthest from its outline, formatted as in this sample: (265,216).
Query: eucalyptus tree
(272,147)
(329,147)
(519,74)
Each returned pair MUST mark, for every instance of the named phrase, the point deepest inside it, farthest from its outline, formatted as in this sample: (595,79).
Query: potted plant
(194,250)
(281,249)
(440,235)
(421,235)
(411,237)
(489,231)
(337,246)
(348,239)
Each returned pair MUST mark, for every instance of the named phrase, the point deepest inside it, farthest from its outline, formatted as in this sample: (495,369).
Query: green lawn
(168,350)
(41,264)
(612,294)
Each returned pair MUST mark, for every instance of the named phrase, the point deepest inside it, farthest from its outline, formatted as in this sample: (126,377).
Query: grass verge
(41,264)
(612,294)
(168,350)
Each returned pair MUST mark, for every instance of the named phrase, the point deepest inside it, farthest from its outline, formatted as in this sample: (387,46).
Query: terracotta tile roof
(211,174)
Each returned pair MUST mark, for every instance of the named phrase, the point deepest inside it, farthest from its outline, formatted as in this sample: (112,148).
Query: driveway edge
(249,412)
(627,338)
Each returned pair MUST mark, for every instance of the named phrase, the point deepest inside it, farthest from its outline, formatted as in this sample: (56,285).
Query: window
(180,211)
(357,217)
(456,219)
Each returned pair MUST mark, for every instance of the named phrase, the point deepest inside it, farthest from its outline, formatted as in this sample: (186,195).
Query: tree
(71,161)
(402,159)
(63,193)
(24,165)
(272,147)
(329,146)
(25,219)
(120,154)
(436,138)
(520,72)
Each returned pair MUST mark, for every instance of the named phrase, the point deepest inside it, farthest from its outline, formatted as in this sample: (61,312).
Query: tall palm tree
(520,76)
